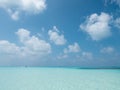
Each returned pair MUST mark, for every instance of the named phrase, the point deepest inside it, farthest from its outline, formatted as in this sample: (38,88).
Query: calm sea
(39,78)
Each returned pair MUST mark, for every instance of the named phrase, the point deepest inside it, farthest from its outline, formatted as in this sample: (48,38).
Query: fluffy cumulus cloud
(16,7)
(75,48)
(8,48)
(31,45)
(56,37)
(97,26)
(107,50)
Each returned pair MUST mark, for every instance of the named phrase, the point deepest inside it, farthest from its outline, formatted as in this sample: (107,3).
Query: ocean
(46,78)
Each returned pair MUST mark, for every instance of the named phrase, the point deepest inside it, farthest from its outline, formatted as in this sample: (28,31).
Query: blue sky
(60,33)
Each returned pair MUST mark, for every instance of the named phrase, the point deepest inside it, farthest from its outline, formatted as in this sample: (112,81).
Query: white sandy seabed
(59,79)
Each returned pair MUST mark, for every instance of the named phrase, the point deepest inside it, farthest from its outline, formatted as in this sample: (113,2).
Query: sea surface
(40,78)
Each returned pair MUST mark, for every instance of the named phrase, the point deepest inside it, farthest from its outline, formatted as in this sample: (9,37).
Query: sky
(60,33)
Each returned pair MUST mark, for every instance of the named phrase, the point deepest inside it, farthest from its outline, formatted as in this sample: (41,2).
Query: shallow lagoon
(39,78)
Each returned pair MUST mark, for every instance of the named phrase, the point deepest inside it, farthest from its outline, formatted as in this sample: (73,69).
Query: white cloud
(14,15)
(15,7)
(117,23)
(62,56)
(32,46)
(113,1)
(75,48)
(87,55)
(117,2)
(56,37)
(72,48)
(107,50)
(97,26)
(8,48)
(23,34)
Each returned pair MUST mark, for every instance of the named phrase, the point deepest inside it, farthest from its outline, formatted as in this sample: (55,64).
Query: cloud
(31,46)
(14,15)
(62,56)
(97,26)
(117,23)
(8,48)
(117,2)
(56,37)
(16,7)
(87,55)
(72,48)
(113,1)
(107,50)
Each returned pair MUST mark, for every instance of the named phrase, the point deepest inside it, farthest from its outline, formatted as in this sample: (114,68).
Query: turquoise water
(59,79)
